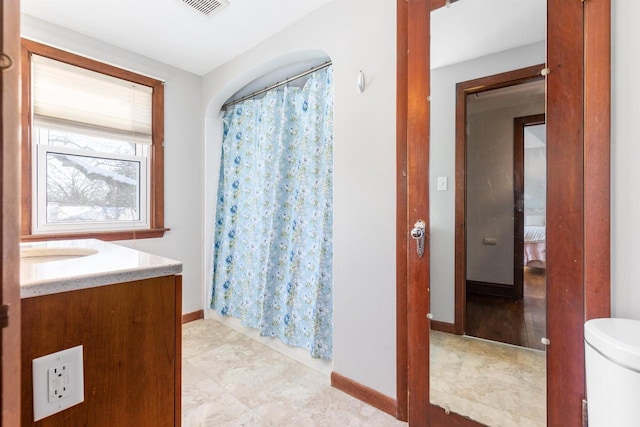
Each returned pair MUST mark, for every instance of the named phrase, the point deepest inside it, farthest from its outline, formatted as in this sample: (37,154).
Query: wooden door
(519,125)
(463,90)
(10,292)
(578,51)
(417,175)
(565,213)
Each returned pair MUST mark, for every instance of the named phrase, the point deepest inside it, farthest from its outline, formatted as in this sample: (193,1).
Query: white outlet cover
(73,382)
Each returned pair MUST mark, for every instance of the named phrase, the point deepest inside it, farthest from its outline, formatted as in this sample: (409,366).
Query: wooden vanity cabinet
(131,338)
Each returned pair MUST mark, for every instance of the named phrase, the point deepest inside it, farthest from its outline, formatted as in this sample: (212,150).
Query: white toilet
(612,356)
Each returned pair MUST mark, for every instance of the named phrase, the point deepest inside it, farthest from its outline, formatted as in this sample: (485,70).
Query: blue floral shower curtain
(273,245)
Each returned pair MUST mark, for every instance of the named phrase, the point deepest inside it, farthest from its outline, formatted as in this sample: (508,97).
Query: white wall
(356,37)
(490,203)
(625,167)
(535,173)
(183,150)
(442,162)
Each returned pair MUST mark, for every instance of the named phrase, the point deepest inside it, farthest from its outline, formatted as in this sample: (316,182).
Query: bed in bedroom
(535,236)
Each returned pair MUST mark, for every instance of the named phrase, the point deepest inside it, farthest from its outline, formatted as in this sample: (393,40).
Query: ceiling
(473,28)
(535,136)
(510,96)
(171,32)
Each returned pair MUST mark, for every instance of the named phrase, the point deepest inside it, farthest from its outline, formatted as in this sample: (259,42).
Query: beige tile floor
(496,384)
(229,379)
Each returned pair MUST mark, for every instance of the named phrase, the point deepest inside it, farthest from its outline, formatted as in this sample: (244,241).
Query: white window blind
(74,98)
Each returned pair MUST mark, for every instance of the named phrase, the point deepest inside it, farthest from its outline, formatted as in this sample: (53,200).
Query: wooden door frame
(519,125)
(577,31)
(463,89)
(417,196)
(9,161)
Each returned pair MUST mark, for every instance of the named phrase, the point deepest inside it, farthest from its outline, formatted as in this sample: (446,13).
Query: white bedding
(535,247)
(535,234)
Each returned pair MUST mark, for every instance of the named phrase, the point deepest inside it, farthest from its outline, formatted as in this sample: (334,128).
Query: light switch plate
(58,382)
(442,183)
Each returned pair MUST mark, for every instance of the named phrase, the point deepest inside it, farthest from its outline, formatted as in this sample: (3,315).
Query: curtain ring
(5,62)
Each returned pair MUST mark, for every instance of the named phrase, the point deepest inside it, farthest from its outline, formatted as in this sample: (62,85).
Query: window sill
(100,235)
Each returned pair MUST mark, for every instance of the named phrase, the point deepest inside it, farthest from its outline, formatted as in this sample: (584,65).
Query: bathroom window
(92,161)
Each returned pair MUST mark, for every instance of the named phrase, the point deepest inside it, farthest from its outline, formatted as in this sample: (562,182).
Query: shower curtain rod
(275,85)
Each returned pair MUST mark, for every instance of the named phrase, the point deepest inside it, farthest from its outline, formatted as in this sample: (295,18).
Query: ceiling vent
(206,7)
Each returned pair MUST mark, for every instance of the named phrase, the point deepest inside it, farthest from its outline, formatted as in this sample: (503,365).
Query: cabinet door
(129,336)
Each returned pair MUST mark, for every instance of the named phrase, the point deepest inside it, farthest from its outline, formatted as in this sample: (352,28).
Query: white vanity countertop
(110,264)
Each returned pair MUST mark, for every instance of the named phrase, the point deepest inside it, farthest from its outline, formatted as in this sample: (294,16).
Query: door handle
(5,61)
(418,234)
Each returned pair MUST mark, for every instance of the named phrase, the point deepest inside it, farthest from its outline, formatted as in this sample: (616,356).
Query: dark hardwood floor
(518,322)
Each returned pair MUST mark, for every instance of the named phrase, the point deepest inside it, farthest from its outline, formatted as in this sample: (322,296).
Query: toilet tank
(612,358)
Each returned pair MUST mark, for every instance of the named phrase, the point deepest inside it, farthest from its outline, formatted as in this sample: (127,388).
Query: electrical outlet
(58,382)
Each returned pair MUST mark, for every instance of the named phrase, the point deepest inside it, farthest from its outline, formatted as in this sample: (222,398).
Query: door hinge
(4,316)
(585,414)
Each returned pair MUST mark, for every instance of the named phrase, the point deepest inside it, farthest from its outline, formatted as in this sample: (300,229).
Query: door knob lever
(418,234)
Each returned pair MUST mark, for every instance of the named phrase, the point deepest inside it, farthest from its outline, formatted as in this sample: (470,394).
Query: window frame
(42,226)
(155,227)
